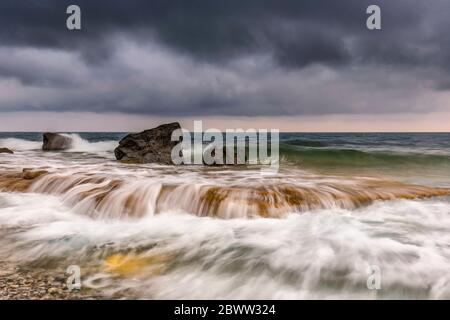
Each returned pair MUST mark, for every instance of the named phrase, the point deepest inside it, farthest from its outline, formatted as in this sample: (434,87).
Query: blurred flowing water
(339,204)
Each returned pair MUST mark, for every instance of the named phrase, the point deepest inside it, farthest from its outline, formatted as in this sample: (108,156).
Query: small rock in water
(6,150)
(28,174)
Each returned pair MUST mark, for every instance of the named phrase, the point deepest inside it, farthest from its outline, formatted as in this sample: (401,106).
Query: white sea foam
(102,148)
(78,144)
(82,145)
(324,254)
(20,144)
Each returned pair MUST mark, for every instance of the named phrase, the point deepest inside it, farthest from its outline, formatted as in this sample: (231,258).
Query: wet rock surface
(150,146)
(6,150)
(30,174)
(55,142)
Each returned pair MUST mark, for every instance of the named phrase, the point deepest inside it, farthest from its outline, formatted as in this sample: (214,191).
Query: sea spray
(82,145)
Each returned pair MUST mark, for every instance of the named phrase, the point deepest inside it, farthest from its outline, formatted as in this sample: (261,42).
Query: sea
(346,216)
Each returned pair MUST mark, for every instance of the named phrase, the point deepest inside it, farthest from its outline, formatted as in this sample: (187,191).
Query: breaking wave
(82,145)
(20,144)
(78,144)
(352,157)
(105,196)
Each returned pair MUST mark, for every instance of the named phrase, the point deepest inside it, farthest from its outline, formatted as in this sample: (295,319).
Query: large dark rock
(6,150)
(55,142)
(149,146)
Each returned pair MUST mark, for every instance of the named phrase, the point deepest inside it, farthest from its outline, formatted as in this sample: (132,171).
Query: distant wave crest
(353,157)
(78,144)
(16,144)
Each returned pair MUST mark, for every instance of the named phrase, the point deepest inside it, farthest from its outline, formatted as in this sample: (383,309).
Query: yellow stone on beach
(126,265)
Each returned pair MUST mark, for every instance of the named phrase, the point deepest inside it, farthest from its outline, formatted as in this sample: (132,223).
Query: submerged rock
(29,174)
(6,150)
(55,142)
(150,146)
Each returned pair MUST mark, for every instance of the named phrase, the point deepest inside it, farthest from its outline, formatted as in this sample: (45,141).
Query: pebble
(17,283)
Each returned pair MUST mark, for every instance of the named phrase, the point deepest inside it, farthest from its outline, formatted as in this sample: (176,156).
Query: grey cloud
(297,33)
(151,80)
(203,57)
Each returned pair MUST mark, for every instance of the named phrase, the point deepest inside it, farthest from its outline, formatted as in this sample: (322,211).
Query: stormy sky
(292,64)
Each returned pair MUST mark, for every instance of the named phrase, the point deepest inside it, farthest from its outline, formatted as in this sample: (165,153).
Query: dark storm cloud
(233,57)
(296,32)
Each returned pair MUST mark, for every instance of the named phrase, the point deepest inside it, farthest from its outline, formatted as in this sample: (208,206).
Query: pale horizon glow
(117,122)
